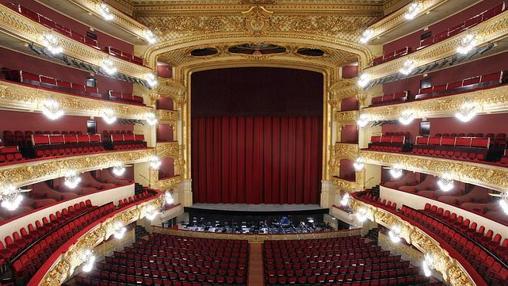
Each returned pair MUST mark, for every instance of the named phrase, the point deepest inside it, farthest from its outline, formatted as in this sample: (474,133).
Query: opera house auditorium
(253,142)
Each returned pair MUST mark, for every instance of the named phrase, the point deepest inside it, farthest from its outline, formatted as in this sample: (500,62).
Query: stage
(264,209)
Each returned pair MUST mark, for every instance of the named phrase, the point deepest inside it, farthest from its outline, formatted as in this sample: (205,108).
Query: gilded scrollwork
(489,176)
(346,117)
(169,149)
(168,116)
(346,151)
(343,89)
(170,183)
(345,185)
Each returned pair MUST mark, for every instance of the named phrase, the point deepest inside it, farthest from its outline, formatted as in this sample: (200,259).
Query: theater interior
(253,142)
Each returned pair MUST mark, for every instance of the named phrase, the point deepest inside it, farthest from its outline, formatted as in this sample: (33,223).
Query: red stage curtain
(256,159)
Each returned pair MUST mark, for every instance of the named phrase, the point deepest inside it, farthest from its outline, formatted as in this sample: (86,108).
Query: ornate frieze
(168,116)
(488,100)
(30,31)
(343,89)
(346,117)
(173,89)
(345,185)
(488,176)
(42,170)
(451,270)
(489,31)
(170,183)
(170,149)
(346,151)
(21,97)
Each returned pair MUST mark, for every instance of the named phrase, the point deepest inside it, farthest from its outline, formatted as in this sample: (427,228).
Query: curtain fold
(256,159)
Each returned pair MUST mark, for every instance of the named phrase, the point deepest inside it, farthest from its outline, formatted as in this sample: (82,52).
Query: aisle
(256,264)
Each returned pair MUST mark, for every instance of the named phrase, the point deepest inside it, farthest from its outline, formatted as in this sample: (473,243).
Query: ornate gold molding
(346,151)
(170,149)
(344,185)
(346,117)
(173,89)
(27,30)
(489,176)
(42,170)
(168,116)
(343,89)
(451,270)
(490,100)
(21,97)
(71,258)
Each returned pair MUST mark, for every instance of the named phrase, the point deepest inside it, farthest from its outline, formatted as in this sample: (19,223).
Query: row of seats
(441,36)
(132,200)
(10,154)
(190,260)
(445,89)
(26,265)
(69,87)
(388,143)
(62,29)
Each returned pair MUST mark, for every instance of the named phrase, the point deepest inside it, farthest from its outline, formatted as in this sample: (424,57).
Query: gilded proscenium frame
(492,100)
(451,270)
(492,30)
(42,170)
(71,259)
(19,97)
(29,31)
(489,176)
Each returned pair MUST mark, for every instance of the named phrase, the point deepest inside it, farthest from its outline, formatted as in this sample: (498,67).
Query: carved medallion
(257,19)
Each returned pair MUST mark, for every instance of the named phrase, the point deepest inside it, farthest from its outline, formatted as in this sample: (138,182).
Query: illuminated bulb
(412,11)
(10,197)
(151,213)
(363,80)
(363,120)
(466,112)
(72,180)
(406,117)
(119,230)
(168,197)
(151,119)
(361,215)
(394,234)
(89,260)
(310,220)
(51,43)
(467,44)
(445,183)
(108,67)
(366,36)
(118,170)
(151,80)
(396,172)
(105,12)
(155,162)
(345,200)
(503,202)
(109,116)
(358,164)
(427,265)
(408,67)
(149,37)
(51,109)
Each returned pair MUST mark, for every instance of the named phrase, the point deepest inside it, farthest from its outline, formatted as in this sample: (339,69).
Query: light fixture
(155,162)
(363,120)
(149,37)
(467,112)
(72,180)
(51,109)
(108,115)
(51,43)
(89,260)
(396,172)
(445,183)
(119,170)
(427,263)
(467,44)
(408,67)
(394,234)
(168,197)
(406,117)
(151,80)
(106,12)
(310,219)
(363,80)
(151,213)
(345,200)
(358,164)
(11,197)
(366,36)
(108,67)
(119,230)
(151,119)
(413,10)
(503,202)
(361,215)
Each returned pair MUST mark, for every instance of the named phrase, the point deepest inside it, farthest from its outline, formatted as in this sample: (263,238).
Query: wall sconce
(51,109)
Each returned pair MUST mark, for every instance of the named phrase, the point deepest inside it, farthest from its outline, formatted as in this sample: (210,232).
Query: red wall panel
(260,159)
(164,133)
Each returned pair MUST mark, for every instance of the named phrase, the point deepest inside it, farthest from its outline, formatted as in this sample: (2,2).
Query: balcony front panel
(345,117)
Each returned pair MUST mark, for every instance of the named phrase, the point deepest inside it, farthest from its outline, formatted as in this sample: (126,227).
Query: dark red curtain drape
(256,159)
